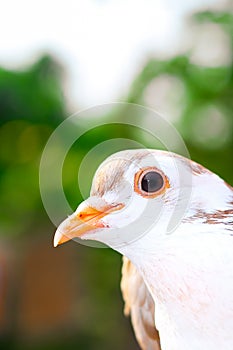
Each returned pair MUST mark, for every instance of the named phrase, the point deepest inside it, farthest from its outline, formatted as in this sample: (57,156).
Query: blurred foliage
(32,105)
(206,105)
(33,95)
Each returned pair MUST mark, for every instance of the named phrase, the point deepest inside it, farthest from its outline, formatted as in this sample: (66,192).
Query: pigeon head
(140,196)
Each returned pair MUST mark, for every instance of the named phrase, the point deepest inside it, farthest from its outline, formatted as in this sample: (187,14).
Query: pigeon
(172,220)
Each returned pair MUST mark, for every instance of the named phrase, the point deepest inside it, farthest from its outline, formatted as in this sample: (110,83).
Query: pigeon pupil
(152,182)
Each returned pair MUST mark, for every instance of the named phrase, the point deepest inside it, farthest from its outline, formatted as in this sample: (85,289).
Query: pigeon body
(172,220)
(140,305)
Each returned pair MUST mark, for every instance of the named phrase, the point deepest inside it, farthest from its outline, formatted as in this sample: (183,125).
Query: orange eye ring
(138,178)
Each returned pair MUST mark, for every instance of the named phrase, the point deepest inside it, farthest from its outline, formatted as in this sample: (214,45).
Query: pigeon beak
(82,221)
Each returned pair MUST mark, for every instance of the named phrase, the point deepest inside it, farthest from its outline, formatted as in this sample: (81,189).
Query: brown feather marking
(198,169)
(212,218)
(110,174)
(140,305)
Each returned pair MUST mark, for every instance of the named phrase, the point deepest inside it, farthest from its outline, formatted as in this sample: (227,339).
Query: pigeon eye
(150,182)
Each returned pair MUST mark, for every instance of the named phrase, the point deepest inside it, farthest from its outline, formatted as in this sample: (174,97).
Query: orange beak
(81,222)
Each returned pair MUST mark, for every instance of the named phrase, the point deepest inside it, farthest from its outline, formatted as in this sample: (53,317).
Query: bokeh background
(56,59)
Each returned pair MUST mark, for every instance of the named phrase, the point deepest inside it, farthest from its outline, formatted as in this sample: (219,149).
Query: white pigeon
(172,220)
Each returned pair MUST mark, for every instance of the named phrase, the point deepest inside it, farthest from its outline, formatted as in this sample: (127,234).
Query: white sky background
(101,43)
